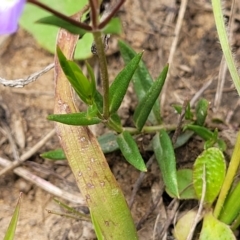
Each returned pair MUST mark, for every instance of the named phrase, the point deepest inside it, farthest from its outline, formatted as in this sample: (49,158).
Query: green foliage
(231,208)
(77,119)
(142,81)
(119,87)
(214,229)
(56,154)
(185,184)
(10,233)
(184,224)
(84,88)
(164,152)
(46,36)
(212,160)
(146,104)
(201,111)
(130,151)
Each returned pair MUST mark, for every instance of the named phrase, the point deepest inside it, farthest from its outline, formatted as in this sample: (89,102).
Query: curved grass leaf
(76,119)
(130,151)
(214,229)
(119,86)
(213,161)
(83,87)
(144,107)
(164,152)
(201,111)
(231,207)
(142,81)
(56,154)
(13,224)
(114,123)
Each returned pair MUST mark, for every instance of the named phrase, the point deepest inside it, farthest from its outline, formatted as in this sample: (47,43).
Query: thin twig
(18,83)
(43,184)
(139,182)
(181,14)
(172,208)
(200,92)
(28,154)
(180,121)
(199,212)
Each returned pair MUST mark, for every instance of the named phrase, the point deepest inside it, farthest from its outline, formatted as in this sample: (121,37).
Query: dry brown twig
(29,153)
(18,83)
(43,184)
(181,14)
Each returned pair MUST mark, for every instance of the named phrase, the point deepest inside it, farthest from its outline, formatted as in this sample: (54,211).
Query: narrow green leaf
(119,87)
(13,224)
(56,21)
(142,80)
(201,111)
(97,227)
(56,154)
(164,152)
(203,132)
(130,151)
(98,100)
(79,82)
(214,229)
(210,137)
(188,113)
(92,78)
(231,207)
(76,119)
(114,123)
(178,108)
(113,27)
(108,144)
(144,107)
(213,161)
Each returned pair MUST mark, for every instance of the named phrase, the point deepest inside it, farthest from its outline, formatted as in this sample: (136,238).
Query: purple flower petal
(10,12)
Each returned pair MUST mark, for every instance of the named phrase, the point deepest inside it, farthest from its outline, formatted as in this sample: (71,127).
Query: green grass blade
(223,38)
(145,106)
(130,151)
(13,224)
(164,152)
(119,86)
(142,81)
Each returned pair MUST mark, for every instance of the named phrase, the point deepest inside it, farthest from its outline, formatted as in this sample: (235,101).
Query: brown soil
(148,25)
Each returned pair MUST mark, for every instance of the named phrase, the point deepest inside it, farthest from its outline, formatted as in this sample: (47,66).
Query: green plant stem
(152,129)
(222,34)
(103,72)
(231,172)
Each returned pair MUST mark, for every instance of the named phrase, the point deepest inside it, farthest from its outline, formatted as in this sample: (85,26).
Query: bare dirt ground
(148,25)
